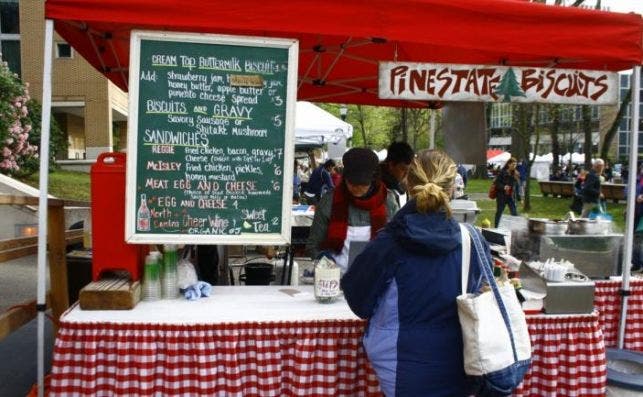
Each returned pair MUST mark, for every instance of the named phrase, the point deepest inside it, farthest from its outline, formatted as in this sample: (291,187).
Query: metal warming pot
(589,226)
(546,226)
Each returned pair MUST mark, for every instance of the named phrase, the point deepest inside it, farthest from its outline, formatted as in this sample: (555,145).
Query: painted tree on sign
(509,86)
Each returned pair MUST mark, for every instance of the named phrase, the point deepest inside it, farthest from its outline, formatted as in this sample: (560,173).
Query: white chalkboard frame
(131,236)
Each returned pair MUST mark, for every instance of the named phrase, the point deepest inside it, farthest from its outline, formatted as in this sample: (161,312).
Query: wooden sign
(442,82)
(210,139)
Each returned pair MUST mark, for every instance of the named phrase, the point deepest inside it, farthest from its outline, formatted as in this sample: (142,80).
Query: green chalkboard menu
(210,139)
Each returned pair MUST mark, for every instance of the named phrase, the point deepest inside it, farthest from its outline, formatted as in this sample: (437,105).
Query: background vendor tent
(315,126)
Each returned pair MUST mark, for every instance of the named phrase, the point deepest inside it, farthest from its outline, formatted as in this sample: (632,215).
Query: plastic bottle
(169,280)
(294,274)
(152,278)
(327,275)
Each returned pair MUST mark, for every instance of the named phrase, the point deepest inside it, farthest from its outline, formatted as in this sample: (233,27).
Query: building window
(64,50)
(10,34)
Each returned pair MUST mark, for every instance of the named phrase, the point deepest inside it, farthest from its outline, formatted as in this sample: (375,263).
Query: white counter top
(226,304)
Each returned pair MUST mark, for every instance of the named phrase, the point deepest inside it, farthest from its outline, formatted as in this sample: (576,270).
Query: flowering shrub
(20,127)
(15,125)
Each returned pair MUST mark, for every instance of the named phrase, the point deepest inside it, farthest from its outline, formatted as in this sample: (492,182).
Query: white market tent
(314,125)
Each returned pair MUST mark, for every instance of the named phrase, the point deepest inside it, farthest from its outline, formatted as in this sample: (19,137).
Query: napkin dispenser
(565,297)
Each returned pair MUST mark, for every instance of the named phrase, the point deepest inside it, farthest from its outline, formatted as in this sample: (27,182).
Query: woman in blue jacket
(406,282)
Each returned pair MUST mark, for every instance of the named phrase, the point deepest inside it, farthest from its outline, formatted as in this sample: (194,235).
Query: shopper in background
(296,184)
(506,183)
(405,283)
(320,181)
(395,167)
(608,174)
(355,211)
(591,191)
(463,173)
(577,201)
(524,178)
(637,251)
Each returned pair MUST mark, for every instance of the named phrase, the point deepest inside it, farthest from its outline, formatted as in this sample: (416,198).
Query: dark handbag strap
(485,268)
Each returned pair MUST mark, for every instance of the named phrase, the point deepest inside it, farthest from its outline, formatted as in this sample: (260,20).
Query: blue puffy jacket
(405,283)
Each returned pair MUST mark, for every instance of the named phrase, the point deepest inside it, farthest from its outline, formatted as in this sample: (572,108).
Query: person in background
(320,181)
(296,184)
(577,201)
(336,175)
(524,177)
(463,173)
(608,174)
(355,211)
(395,167)
(405,283)
(458,192)
(591,190)
(637,250)
(506,182)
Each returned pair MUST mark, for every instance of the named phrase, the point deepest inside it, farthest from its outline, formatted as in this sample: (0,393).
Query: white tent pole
(41,305)
(635,84)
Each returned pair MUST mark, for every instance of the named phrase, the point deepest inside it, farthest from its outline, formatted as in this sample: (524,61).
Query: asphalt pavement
(18,351)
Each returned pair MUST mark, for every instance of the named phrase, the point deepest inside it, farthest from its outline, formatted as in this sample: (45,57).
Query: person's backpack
(493,192)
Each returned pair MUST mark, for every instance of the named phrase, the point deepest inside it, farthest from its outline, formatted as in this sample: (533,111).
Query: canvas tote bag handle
(466,256)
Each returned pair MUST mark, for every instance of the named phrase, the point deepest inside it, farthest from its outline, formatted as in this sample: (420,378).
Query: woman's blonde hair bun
(431,179)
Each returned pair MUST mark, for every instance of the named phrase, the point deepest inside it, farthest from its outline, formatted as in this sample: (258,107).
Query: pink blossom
(6,152)
(9,141)
(24,111)
(17,104)
(27,128)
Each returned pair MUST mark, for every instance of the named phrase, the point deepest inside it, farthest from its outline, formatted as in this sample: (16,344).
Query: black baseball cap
(360,166)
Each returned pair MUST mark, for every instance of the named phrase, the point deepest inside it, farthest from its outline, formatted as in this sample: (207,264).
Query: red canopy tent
(342,41)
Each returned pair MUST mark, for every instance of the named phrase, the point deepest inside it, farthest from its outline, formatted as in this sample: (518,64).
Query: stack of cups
(169,280)
(152,277)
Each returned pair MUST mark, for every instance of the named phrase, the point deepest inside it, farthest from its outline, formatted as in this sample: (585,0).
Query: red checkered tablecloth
(313,358)
(568,357)
(231,345)
(607,301)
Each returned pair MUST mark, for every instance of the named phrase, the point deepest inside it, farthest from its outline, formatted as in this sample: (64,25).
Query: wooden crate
(110,294)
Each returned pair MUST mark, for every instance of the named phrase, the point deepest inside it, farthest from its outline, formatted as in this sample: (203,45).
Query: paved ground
(18,281)
(18,352)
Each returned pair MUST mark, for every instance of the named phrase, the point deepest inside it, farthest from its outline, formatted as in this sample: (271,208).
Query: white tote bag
(494,330)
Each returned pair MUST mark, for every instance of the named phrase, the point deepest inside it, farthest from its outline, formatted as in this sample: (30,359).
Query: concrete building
(90,109)
(571,135)
(625,127)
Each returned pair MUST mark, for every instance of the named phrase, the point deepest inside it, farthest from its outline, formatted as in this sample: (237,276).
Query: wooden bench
(557,188)
(611,191)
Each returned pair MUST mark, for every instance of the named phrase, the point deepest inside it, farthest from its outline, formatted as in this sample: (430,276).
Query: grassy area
(482,186)
(68,185)
(541,207)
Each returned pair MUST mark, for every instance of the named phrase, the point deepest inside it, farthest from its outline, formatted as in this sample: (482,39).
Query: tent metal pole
(635,83)
(42,203)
